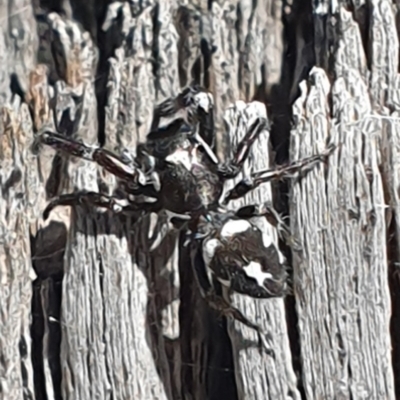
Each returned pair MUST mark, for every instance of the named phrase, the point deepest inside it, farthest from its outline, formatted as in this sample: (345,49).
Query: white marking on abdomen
(254,270)
(233,227)
(267,239)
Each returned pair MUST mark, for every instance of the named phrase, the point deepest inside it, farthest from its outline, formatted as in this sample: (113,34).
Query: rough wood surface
(341,286)
(19,192)
(267,375)
(87,312)
(340,274)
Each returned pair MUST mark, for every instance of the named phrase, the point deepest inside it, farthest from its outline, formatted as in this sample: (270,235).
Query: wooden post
(87,312)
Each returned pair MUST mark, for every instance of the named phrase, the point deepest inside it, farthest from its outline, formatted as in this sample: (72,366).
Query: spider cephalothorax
(176,170)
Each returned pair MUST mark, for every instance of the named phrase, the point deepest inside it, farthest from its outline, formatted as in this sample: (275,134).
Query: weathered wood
(341,287)
(260,375)
(19,192)
(341,272)
(131,323)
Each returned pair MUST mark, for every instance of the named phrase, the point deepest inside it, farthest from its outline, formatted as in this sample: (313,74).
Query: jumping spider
(176,170)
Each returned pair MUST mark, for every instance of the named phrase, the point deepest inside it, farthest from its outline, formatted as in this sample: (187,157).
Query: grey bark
(86,311)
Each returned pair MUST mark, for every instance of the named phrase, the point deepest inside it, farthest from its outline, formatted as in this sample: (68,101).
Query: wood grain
(87,311)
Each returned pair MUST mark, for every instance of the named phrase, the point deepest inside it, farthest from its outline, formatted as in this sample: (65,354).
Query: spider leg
(219,304)
(296,169)
(234,167)
(106,159)
(100,200)
(216,301)
(268,211)
(165,226)
(264,210)
(212,156)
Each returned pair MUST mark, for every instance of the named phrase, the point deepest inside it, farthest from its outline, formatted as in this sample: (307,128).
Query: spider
(176,170)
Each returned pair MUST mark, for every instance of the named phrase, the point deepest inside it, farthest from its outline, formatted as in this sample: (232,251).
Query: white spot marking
(268,242)
(282,258)
(119,204)
(180,157)
(185,157)
(203,100)
(142,177)
(267,239)
(233,227)
(254,270)
(209,248)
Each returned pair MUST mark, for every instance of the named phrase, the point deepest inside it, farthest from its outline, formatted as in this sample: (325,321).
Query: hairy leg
(296,169)
(166,223)
(232,168)
(219,304)
(263,210)
(268,211)
(94,199)
(106,159)
(216,301)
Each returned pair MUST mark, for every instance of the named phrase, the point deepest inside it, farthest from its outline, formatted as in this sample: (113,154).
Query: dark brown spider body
(186,191)
(189,179)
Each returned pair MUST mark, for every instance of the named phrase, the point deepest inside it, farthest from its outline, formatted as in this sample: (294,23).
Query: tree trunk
(88,312)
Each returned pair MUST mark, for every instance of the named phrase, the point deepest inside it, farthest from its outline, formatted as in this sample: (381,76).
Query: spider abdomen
(238,257)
